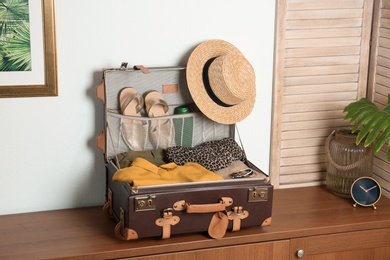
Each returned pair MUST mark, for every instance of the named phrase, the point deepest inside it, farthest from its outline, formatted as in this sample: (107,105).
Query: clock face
(366,191)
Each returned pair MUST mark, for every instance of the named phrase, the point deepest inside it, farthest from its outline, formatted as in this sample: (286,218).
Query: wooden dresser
(307,223)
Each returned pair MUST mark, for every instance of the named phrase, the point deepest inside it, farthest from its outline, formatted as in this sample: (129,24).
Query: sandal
(134,131)
(161,131)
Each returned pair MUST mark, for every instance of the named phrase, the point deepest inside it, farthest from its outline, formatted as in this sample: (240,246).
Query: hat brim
(195,66)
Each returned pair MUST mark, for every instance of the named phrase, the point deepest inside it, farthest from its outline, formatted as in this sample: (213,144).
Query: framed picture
(28,59)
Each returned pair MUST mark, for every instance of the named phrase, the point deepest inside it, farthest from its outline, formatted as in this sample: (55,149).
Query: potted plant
(371,123)
(350,150)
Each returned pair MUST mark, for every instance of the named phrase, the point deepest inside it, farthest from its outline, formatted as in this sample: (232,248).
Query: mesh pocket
(126,133)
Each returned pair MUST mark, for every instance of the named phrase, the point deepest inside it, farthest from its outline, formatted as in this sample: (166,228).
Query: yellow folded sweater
(144,173)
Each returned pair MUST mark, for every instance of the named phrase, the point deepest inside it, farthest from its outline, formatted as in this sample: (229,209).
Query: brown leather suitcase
(164,210)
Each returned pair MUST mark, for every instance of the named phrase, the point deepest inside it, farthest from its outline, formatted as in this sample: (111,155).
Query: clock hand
(363,188)
(371,188)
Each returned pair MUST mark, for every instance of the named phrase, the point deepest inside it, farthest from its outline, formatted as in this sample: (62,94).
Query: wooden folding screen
(321,65)
(379,81)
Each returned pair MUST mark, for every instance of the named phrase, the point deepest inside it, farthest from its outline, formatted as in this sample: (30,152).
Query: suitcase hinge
(134,190)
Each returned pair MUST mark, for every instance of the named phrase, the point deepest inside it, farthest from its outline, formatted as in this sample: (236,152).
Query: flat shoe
(134,131)
(161,131)
(130,102)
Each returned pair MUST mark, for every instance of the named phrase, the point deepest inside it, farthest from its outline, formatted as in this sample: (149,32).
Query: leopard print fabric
(213,155)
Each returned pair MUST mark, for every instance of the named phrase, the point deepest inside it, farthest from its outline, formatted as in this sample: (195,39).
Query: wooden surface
(86,233)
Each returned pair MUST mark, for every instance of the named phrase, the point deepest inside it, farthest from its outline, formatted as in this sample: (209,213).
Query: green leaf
(382,140)
(362,103)
(360,110)
(365,117)
(372,123)
(355,114)
(383,124)
(388,154)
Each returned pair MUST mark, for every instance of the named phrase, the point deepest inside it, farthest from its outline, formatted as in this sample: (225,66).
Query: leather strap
(156,101)
(219,221)
(166,222)
(140,102)
(237,214)
(203,208)
(107,208)
(142,68)
(123,232)
(218,225)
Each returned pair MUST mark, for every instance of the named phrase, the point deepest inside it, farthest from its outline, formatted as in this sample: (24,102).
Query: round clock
(366,191)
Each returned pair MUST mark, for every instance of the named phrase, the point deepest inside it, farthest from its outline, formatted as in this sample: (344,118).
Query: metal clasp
(257,194)
(168,212)
(145,203)
(238,210)
(123,66)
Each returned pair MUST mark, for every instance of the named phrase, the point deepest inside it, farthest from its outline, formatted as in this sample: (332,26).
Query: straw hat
(221,81)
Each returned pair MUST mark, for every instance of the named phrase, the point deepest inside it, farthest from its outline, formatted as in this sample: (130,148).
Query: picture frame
(46,38)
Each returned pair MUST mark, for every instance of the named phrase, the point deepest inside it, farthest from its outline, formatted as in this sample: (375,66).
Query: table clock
(366,192)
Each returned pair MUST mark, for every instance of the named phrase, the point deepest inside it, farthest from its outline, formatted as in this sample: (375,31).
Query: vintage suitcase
(165,210)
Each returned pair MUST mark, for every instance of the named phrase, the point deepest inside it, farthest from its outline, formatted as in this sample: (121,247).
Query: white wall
(48,154)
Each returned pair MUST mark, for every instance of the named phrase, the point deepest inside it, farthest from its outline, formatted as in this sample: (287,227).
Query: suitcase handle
(203,208)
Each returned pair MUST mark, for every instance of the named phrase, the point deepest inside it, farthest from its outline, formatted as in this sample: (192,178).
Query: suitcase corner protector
(267,222)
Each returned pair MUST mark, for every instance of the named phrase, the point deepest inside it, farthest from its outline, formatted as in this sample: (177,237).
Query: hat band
(207,86)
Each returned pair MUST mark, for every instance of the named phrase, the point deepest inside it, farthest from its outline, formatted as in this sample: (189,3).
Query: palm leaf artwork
(372,123)
(15,51)
(16,54)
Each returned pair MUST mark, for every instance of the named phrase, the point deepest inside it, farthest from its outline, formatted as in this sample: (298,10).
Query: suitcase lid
(162,79)
(171,83)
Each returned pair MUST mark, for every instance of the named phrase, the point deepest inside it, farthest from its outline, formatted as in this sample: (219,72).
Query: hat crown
(221,88)
(231,78)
